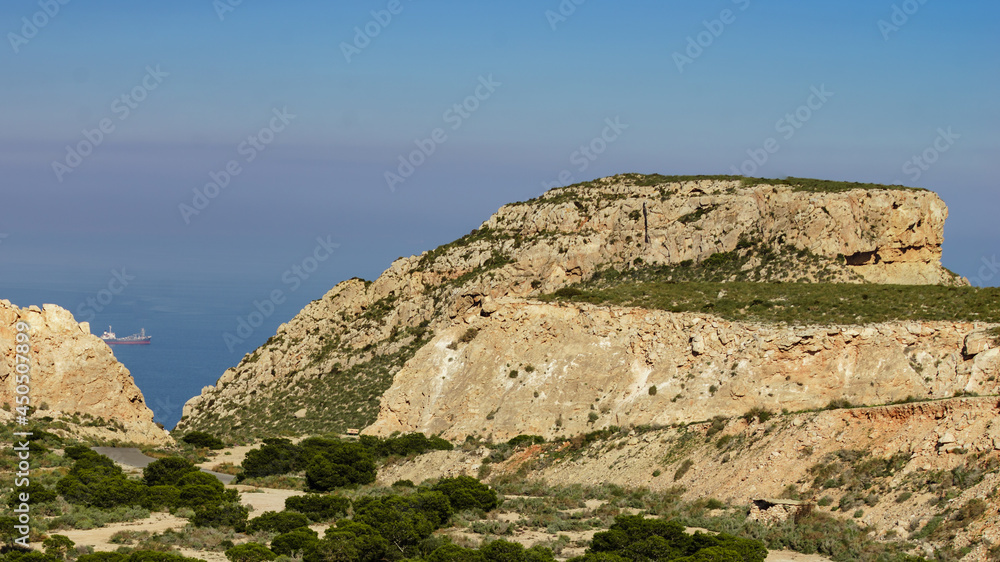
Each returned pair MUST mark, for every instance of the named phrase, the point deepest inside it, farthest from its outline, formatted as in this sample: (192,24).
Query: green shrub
(94,480)
(633,537)
(37,494)
(713,503)
(276,456)
(683,469)
(203,439)
(222,515)
(168,471)
(279,522)
(758,413)
(465,492)
(348,464)
(250,552)
(160,497)
(101,557)
(404,445)
(58,546)
(319,507)
(404,519)
(652,390)
(294,541)
(525,440)
(717,425)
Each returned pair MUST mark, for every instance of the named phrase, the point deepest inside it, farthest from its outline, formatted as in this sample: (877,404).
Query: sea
(188,320)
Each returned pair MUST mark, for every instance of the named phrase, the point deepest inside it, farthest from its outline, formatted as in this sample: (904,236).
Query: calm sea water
(186,320)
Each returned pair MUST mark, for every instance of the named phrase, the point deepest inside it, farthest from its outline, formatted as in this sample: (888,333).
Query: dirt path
(264,499)
(132,457)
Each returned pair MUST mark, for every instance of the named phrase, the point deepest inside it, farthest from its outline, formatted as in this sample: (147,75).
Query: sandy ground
(264,499)
(100,538)
(235,456)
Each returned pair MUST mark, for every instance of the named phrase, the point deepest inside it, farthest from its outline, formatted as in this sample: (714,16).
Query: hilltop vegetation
(578,191)
(794,303)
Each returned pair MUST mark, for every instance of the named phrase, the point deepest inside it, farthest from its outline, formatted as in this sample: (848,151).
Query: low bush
(465,492)
(168,471)
(250,552)
(222,515)
(277,521)
(295,541)
(683,469)
(760,414)
(318,507)
(203,439)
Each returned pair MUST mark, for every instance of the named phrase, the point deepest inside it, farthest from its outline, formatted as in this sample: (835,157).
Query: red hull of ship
(143,342)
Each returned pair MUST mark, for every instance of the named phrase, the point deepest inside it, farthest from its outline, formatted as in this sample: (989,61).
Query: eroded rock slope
(327,368)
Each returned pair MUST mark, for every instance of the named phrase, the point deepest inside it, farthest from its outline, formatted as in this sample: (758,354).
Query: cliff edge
(72,372)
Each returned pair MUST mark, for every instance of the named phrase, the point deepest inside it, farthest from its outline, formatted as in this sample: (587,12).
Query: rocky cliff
(73,373)
(550,370)
(326,369)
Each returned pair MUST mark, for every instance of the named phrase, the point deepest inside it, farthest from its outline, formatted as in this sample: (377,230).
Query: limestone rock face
(551,370)
(73,371)
(886,236)
(341,352)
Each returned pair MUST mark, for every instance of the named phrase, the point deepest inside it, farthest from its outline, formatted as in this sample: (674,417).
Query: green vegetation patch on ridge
(576,192)
(799,303)
(798,184)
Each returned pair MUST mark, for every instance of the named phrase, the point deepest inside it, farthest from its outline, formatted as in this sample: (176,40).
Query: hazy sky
(336,92)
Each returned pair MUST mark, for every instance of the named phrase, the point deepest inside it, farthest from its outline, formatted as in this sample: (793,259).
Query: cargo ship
(141,338)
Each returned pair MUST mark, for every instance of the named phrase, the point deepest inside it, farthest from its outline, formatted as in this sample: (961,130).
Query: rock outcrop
(326,369)
(550,370)
(73,372)
(742,461)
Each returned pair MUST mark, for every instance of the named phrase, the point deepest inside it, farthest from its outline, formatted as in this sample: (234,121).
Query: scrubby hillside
(921,477)
(328,368)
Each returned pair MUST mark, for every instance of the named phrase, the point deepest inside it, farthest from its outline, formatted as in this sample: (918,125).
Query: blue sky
(219,80)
